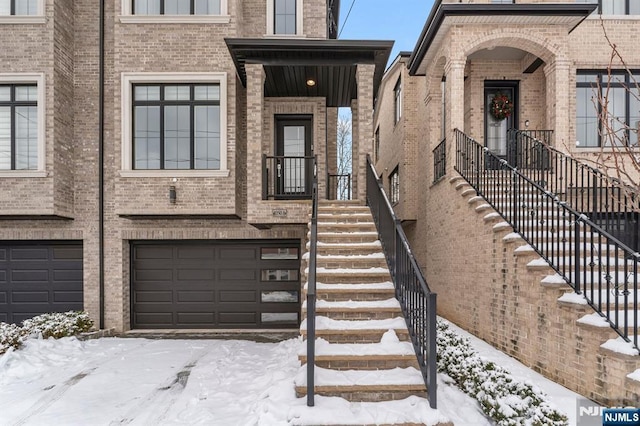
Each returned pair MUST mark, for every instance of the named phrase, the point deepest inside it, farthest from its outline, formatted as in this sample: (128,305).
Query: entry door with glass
(294,152)
(496,124)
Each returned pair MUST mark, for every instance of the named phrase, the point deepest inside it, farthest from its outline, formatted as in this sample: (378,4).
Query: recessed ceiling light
(311,82)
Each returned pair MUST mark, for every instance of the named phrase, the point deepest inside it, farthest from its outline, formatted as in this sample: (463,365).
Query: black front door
(496,125)
(294,151)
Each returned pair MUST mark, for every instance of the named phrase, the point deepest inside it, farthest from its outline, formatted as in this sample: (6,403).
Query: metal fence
(287,178)
(417,301)
(311,291)
(592,260)
(339,187)
(440,160)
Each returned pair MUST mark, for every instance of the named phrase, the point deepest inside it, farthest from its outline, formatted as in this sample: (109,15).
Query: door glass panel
(279,297)
(496,130)
(279,275)
(294,167)
(276,253)
(287,317)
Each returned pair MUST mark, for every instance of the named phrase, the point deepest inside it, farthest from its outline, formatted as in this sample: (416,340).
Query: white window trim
(38,18)
(299,20)
(38,79)
(126,17)
(128,79)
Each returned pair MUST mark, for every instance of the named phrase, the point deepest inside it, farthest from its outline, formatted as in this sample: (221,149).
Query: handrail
(589,258)
(418,302)
(311,290)
(339,187)
(609,201)
(440,160)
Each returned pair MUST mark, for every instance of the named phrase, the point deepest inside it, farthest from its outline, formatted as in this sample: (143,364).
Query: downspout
(101,163)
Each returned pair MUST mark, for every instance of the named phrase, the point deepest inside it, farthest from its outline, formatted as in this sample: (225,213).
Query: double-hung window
(176,7)
(19,128)
(176,126)
(397,100)
(284,17)
(394,186)
(19,7)
(607,108)
(615,7)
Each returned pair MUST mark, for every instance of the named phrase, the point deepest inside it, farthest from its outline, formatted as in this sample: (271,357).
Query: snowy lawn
(208,382)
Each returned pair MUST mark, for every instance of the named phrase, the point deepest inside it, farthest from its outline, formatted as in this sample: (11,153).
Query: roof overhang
(445,15)
(332,64)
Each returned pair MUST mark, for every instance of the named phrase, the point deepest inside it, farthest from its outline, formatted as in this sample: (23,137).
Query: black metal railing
(440,160)
(286,178)
(339,187)
(606,200)
(311,291)
(417,301)
(589,258)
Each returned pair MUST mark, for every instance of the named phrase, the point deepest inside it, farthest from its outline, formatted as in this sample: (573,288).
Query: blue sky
(398,20)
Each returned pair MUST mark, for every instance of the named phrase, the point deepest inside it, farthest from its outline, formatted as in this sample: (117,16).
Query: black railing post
(516,193)
(576,251)
(432,368)
(311,291)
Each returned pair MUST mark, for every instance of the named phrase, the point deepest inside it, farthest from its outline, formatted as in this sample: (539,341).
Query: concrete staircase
(363,353)
(598,350)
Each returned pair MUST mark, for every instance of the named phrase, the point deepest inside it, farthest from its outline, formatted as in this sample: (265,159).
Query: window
(19,7)
(394,186)
(397,100)
(615,7)
(174,123)
(176,7)
(22,131)
(376,147)
(284,17)
(622,120)
(443,109)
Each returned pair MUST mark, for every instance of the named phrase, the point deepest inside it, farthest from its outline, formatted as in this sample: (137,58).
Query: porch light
(311,82)
(172,194)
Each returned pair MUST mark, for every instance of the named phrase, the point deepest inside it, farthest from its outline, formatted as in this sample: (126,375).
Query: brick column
(558,77)
(454,72)
(255,108)
(363,137)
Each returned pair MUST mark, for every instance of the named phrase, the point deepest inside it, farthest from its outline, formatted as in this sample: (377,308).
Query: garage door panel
(155,319)
(3,276)
(67,296)
(3,254)
(195,318)
(196,274)
(237,318)
(4,298)
(18,297)
(202,253)
(151,252)
(30,254)
(154,275)
(67,275)
(151,296)
(231,296)
(195,296)
(30,275)
(243,254)
(238,274)
(67,253)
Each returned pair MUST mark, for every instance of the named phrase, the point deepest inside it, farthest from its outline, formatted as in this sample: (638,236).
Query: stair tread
(620,346)
(361,271)
(377,255)
(389,345)
(329,324)
(356,305)
(409,377)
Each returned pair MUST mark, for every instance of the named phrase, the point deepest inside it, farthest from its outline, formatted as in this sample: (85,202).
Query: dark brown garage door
(39,277)
(216,284)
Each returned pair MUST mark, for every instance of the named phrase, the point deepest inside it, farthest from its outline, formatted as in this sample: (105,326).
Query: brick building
(505,232)
(156,156)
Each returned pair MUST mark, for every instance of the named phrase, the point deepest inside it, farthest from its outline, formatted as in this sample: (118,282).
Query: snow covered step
(348,248)
(373,260)
(352,275)
(603,298)
(326,237)
(363,385)
(596,320)
(356,291)
(346,227)
(596,264)
(565,247)
(390,352)
(357,331)
(346,217)
(357,310)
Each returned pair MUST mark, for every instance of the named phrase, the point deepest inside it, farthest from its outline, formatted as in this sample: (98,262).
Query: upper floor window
(607,108)
(19,128)
(284,17)
(19,7)
(397,100)
(376,147)
(615,7)
(394,186)
(174,124)
(176,7)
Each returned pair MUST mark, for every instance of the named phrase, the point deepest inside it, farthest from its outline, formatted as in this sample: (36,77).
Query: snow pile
(56,325)
(505,399)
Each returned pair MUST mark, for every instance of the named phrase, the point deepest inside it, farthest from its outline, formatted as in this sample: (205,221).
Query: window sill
(174,173)
(23,19)
(23,174)
(174,19)
(285,36)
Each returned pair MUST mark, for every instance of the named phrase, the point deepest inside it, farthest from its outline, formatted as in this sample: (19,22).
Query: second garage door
(217,284)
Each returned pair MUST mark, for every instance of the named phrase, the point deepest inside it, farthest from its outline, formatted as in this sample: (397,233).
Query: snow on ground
(206,382)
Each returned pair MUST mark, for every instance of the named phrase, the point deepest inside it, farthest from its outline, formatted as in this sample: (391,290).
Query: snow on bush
(54,325)
(502,397)
(10,337)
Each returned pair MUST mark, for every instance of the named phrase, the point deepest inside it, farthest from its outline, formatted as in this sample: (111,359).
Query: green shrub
(57,325)
(10,337)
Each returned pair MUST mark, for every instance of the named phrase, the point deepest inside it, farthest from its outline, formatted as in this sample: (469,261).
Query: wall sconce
(526,123)
(172,194)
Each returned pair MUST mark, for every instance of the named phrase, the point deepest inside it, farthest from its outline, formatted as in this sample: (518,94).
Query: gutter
(101,163)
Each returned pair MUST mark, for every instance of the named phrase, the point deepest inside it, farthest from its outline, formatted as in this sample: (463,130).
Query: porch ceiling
(444,16)
(288,64)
